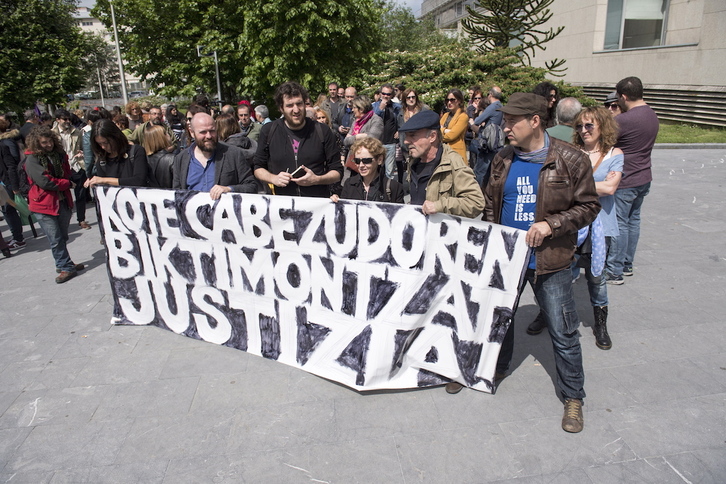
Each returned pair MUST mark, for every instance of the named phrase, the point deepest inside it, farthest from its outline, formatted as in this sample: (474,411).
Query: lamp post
(124,94)
(201,53)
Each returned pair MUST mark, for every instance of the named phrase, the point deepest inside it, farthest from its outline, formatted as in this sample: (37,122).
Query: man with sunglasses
(387,109)
(545,186)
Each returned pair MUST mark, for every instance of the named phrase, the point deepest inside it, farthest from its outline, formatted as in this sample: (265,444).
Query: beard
(207,146)
(157,122)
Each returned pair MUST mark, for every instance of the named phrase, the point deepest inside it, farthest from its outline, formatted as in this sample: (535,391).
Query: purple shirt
(638,128)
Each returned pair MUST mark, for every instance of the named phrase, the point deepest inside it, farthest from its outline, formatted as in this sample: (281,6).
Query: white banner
(371,295)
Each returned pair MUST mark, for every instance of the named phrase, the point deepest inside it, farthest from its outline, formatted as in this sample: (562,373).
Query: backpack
(492,137)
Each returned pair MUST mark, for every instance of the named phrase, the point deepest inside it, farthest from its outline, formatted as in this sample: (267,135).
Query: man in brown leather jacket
(545,186)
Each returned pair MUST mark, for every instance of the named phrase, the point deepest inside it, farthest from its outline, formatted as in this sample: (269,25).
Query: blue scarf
(538,156)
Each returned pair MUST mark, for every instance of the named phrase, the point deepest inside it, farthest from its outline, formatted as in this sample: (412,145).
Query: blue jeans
(482,167)
(596,286)
(556,301)
(628,202)
(56,229)
(390,163)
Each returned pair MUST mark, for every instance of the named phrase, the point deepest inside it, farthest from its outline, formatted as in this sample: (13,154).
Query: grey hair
(262,112)
(567,110)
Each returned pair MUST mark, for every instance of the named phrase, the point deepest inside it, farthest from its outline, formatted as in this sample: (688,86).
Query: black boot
(600,330)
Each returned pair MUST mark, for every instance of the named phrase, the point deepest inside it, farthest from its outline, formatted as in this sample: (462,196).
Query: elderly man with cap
(545,186)
(440,180)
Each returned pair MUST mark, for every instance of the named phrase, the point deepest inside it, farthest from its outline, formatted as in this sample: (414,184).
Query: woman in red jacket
(50,195)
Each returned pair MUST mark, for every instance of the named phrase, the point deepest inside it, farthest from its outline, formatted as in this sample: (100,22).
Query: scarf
(360,122)
(52,162)
(538,156)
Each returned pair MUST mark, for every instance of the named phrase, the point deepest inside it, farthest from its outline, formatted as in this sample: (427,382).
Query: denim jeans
(56,229)
(555,298)
(390,163)
(13,217)
(482,167)
(596,286)
(628,202)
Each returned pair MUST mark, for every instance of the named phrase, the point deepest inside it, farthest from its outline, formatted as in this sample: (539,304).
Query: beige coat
(453,187)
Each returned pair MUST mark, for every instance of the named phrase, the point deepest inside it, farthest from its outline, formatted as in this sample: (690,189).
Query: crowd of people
(573,179)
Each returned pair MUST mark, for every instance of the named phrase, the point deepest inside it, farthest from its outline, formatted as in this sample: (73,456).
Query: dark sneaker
(78,267)
(65,276)
(628,271)
(6,253)
(572,420)
(453,387)
(537,326)
(615,280)
(15,245)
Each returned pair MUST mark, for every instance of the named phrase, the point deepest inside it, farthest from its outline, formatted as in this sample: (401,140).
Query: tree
(434,71)
(401,30)
(100,59)
(42,48)
(259,43)
(515,24)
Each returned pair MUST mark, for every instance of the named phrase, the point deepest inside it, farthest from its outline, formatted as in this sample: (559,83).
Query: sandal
(84,225)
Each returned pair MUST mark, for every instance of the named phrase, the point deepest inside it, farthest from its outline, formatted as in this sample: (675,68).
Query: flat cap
(525,103)
(612,98)
(424,120)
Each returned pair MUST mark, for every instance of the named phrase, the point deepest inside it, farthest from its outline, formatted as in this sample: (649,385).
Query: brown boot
(600,330)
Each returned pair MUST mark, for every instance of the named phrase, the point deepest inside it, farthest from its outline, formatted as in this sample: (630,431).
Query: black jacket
(161,164)
(230,169)
(354,190)
(131,170)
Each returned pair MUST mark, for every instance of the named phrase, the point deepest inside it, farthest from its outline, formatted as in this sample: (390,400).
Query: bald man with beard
(209,165)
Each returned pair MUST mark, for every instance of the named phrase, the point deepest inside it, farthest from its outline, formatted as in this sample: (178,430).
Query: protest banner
(370,295)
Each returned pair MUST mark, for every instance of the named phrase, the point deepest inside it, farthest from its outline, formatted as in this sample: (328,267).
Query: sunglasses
(477,98)
(612,106)
(587,126)
(365,161)
(410,97)
(386,93)
(450,99)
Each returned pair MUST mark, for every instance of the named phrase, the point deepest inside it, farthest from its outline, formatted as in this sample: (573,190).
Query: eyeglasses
(410,97)
(478,98)
(587,126)
(551,96)
(365,161)
(386,93)
(451,99)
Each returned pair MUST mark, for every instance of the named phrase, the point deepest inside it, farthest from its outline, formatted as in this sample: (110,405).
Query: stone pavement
(85,402)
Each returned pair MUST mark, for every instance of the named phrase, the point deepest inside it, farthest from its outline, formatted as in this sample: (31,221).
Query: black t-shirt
(420,176)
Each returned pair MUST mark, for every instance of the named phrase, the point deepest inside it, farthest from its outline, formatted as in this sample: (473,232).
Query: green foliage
(433,72)
(42,48)
(689,133)
(515,24)
(259,43)
(100,56)
(401,30)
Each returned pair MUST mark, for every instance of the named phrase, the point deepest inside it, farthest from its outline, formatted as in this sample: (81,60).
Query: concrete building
(676,47)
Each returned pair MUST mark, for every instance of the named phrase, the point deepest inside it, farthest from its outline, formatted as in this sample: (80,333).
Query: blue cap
(424,120)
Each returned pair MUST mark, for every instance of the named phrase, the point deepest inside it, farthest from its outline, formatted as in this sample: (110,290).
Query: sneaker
(615,280)
(6,253)
(15,245)
(84,225)
(78,267)
(572,420)
(537,326)
(628,271)
(453,387)
(65,276)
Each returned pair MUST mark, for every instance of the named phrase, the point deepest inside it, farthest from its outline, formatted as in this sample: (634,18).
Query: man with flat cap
(545,186)
(440,180)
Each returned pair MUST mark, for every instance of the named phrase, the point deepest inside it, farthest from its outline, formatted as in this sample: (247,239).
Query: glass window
(635,23)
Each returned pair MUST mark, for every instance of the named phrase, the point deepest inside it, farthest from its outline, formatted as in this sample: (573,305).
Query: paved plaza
(82,401)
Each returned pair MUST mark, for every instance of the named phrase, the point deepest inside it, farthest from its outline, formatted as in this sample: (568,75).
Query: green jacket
(453,187)
(137,137)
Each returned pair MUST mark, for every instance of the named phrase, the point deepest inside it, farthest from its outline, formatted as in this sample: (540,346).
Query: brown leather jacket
(566,200)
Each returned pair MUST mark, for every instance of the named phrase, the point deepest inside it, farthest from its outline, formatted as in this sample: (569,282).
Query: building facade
(676,47)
